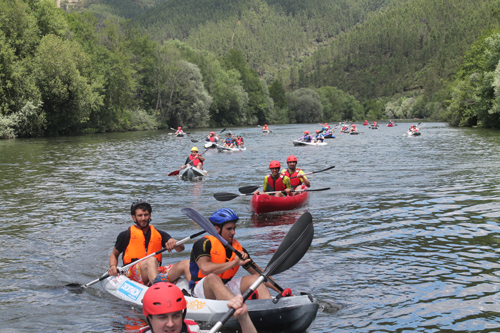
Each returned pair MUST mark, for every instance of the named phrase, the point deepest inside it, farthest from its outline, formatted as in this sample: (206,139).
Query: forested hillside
(417,45)
(272,34)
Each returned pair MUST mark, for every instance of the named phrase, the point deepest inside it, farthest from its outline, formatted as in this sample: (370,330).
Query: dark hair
(141,204)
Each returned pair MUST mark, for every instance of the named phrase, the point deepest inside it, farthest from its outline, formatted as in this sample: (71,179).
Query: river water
(407,239)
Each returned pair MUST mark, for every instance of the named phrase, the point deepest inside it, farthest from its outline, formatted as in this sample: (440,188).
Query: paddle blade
(175,173)
(248,189)
(223,196)
(293,247)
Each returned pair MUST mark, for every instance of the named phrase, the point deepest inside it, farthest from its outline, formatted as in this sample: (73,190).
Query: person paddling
(214,266)
(179,130)
(229,142)
(239,141)
(142,239)
(319,137)
(212,138)
(300,181)
(276,181)
(165,309)
(353,129)
(306,138)
(194,159)
(265,128)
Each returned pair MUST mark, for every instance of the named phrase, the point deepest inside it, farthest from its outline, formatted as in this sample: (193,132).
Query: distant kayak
(222,149)
(390,125)
(354,133)
(209,145)
(192,173)
(329,136)
(180,135)
(265,131)
(303,143)
(410,133)
(263,203)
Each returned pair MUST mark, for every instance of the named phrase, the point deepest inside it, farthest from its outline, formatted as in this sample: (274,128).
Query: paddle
(194,140)
(176,172)
(293,247)
(224,196)
(253,188)
(124,268)
(208,226)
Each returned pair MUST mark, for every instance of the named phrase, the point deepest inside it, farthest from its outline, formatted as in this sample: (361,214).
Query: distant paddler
(319,137)
(212,137)
(353,129)
(229,142)
(239,141)
(265,128)
(179,130)
(194,159)
(306,138)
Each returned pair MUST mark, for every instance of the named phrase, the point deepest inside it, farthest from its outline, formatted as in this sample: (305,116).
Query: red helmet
(179,127)
(274,164)
(163,297)
(213,133)
(353,125)
(317,131)
(306,132)
(265,124)
(291,158)
(412,126)
(326,124)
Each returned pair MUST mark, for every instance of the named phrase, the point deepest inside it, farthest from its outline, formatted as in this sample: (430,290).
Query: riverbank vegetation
(244,62)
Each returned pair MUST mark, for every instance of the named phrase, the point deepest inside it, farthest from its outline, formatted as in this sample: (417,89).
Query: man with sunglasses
(276,181)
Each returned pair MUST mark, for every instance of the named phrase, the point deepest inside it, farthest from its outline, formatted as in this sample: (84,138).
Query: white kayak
(222,149)
(303,143)
(192,173)
(209,145)
(410,133)
(290,314)
(180,135)
(265,131)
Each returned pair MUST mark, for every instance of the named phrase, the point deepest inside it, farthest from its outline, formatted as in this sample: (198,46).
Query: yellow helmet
(194,149)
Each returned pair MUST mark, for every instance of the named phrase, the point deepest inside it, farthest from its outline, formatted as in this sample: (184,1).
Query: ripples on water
(406,240)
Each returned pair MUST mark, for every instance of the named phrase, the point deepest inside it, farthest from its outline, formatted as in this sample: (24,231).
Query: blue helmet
(224,215)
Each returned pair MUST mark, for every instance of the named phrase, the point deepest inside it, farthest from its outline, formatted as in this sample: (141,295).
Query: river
(407,239)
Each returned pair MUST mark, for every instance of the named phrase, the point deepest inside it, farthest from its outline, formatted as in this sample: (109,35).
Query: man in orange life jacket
(213,266)
(194,159)
(276,181)
(300,181)
(212,137)
(143,239)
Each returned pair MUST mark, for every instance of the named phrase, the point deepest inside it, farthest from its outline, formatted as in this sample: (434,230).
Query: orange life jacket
(276,185)
(196,162)
(295,181)
(218,256)
(136,248)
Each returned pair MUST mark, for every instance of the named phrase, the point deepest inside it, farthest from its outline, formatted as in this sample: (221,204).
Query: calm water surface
(407,239)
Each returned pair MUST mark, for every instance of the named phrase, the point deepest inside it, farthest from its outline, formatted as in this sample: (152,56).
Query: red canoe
(264,203)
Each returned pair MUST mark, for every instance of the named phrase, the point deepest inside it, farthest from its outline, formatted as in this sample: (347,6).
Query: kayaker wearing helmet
(265,128)
(229,142)
(306,138)
(213,266)
(165,307)
(194,159)
(212,137)
(179,130)
(353,128)
(143,239)
(301,181)
(276,181)
(319,137)
(239,141)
